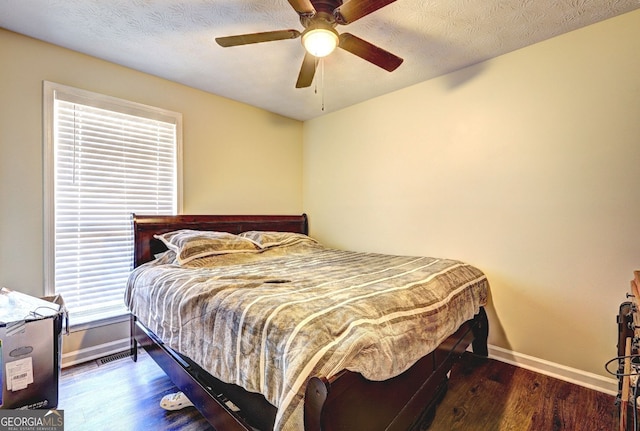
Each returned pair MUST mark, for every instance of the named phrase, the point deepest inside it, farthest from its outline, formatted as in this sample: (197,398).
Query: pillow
(192,244)
(266,239)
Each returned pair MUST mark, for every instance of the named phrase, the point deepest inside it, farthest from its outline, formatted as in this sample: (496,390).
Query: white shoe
(175,401)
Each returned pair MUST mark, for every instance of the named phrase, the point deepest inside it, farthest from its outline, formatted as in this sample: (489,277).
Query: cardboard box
(30,350)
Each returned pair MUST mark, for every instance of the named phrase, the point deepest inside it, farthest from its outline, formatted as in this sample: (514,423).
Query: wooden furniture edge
(628,338)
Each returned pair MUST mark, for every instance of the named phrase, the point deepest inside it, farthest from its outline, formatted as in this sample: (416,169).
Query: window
(105,158)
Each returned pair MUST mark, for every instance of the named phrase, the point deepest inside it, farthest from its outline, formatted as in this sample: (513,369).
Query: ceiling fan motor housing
(327,6)
(319,20)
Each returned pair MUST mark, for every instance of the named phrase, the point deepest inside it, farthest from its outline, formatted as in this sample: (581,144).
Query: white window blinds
(109,160)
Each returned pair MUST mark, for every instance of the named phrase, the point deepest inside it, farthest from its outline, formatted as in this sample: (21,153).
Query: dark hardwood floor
(483,396)
(493,396)
(122,395)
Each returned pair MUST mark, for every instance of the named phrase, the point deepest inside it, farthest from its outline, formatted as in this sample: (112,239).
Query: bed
(337,340)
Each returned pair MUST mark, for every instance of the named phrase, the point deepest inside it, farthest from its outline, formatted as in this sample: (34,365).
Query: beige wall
(526,166)
(237,158)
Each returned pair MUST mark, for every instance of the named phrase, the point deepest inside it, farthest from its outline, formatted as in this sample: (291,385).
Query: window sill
(97,322)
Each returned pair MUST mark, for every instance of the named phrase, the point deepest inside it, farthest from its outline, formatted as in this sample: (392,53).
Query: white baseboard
(95,352)
(568,374)
(552,369)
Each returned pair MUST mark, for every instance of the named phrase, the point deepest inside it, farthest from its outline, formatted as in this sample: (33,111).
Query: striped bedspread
(268,321)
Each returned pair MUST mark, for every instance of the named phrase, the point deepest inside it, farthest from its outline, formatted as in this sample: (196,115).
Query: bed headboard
(145,227)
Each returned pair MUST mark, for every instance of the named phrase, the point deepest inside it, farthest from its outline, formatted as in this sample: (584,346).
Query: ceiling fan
(319,37)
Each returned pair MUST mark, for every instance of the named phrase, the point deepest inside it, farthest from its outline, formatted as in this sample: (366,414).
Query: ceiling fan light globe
(320,42)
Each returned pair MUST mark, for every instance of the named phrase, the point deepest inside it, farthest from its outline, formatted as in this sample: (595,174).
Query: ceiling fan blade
(369,52)
(267,36)
(307,71)
(356,9)
(303,7)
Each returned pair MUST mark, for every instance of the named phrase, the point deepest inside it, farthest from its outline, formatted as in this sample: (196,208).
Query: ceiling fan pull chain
(315,83)
(322,82)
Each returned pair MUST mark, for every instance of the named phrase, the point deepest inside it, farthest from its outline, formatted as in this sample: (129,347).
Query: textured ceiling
(174,39)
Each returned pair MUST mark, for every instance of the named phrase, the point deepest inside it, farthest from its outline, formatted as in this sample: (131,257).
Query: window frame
(50,89)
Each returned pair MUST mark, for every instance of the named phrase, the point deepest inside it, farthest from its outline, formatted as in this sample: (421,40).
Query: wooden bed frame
(346,401)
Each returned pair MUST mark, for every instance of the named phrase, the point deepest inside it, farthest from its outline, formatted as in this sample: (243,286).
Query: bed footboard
(480,333)
(405,402)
